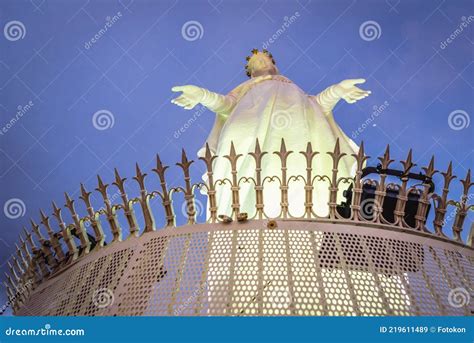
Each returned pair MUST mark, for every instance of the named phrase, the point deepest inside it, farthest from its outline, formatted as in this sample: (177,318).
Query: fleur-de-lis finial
(29,238)
(102,188)
(408,163)
(85,196)
(257,154)
(36,230)
(336,154)
(160,168)
(385,161)
(44,218)
(283,153)
(448,175)
(119,181)
(69,203)
(57,211)
(360,156)
(45,222)
(185,163)
(233,156)
(208,158)
(257,147)
(139,176)
(430,170)
(466,182)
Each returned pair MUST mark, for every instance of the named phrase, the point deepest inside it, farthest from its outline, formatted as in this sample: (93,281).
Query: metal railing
(397,205)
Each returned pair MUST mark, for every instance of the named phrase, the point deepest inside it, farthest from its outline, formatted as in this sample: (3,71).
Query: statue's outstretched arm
(193,95)
(346,90)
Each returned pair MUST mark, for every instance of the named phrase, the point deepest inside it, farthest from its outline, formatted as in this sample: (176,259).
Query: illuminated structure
(267,108)
(391,246)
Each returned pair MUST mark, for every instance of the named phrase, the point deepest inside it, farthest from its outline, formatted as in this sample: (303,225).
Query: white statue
(271,107)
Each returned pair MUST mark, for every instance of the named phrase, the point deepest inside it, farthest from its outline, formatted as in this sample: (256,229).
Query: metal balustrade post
(127,205)
(211,191)
(144,200)
(44,246)
(424,200)
(53,238)
(462,207)
(333,188)
(402,197)
(72,253)
(93,218)
(283,154)
(442,202)
(185,164)
(233,157)
(380,191)
(259,202)
(167,203)
(109,211)
(79,228)
(360,158)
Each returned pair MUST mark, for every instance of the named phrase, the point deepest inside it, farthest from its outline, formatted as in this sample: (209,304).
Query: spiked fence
(37,260)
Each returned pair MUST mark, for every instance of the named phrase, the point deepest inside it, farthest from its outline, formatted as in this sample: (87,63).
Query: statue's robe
(269,108)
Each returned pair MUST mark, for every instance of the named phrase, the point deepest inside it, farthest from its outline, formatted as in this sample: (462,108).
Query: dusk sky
(417,57)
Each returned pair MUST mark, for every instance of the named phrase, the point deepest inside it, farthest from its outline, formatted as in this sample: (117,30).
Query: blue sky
(52,68)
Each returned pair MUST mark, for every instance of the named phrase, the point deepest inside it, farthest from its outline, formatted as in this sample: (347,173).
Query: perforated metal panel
(298,268)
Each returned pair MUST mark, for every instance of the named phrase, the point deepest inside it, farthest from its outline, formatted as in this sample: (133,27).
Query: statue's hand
(348,91)
(190,97)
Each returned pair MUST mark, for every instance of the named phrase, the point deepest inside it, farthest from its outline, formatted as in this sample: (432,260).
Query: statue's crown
(254,52)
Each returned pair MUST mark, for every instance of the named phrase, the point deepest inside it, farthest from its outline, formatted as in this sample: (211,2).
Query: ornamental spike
(430,170)
(385,160)
(102,188)
(85,196)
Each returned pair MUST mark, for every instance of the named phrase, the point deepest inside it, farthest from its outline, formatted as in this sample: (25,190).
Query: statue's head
(260,63)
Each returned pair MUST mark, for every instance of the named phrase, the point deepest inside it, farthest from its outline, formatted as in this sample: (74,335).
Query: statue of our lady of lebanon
(269,107)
